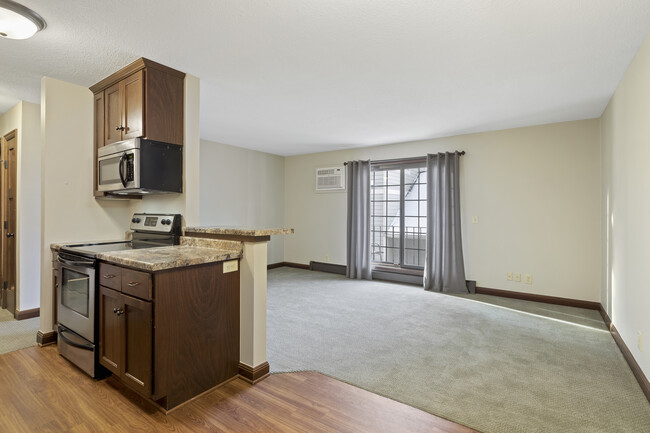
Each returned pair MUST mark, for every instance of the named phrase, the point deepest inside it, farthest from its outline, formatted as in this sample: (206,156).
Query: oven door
(119,171)
(76,295)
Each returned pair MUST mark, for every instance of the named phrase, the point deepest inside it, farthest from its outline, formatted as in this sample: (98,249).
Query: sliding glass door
(398,221)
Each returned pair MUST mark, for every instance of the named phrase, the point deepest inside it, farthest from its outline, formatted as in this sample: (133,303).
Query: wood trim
(590,305)
(27,314)
(46,338)
(634,366)
(130,69)
(288,264)
(254,374)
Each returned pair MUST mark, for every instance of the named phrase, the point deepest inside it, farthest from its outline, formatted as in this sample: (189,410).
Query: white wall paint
(626,208)
(69,211)
(536,192)
(25,117)
(29,207)
(245,188)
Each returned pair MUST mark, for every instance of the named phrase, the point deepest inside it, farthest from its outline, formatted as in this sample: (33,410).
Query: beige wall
(626,206)
(25,117)
(241,187)
(536,192)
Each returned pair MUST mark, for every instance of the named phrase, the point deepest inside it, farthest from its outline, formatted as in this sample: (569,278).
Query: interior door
(9,221)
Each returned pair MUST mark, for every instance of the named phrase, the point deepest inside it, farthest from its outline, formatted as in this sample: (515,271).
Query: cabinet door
(137,344)
(113,112)
(133,106)
(110,332)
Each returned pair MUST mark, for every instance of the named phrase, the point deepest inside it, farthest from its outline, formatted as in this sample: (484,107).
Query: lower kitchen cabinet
(169,335)
(125,326)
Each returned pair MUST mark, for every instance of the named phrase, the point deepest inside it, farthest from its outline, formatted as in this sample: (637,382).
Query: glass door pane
(75,291)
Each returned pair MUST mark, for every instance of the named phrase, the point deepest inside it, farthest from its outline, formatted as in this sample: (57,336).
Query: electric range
(77,296)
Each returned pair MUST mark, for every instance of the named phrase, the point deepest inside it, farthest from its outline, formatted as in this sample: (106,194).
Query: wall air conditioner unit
(330,179)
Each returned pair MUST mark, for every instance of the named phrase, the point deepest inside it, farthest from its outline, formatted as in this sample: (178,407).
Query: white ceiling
(302,76)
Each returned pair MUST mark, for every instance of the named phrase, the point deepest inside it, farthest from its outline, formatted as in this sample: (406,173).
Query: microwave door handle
(121,169)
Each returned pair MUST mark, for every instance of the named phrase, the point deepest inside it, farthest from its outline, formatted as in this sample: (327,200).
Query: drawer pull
(108,276)
(133,284)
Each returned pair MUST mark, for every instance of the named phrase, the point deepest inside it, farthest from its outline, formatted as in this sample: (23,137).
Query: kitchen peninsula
(253,365)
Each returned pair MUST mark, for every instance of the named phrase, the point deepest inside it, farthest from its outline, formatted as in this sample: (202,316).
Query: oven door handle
(86,346)
(121,169)
(69,262)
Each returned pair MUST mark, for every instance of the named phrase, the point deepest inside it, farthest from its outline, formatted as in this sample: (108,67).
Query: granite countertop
(161,258)
(238,231)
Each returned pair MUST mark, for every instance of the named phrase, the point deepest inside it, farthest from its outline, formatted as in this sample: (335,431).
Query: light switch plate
(230,266)
(517,277)
(528,279)
(509,276)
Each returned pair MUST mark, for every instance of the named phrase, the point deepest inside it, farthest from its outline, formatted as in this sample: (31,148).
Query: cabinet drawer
(110,276)
(136,284)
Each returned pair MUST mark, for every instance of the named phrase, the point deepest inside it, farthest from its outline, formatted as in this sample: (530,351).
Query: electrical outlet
(327,258)
(516,277)
(640,342)
(509,276)
(528,279)
(474,220)
(230,266)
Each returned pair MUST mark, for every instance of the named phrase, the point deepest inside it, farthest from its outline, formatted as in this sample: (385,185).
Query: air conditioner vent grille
(330,179)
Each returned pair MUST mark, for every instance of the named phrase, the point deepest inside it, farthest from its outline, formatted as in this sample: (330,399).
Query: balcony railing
(385,245)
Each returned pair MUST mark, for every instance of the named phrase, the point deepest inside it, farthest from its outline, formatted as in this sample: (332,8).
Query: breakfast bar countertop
(238,231)
(177,256)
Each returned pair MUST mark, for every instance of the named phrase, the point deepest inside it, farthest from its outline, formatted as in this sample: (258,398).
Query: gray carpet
(16,334)
(493,364)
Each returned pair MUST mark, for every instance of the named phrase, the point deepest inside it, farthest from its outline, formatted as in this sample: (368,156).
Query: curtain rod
(398,160)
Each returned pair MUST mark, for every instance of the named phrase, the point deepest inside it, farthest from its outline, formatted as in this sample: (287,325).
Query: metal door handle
(119,128)
(108,276)
(133,284)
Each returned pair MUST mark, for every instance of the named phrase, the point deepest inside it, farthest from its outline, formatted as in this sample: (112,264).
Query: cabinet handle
(119,128)
(133,284)
(108,276)
(118,311)
(115,310)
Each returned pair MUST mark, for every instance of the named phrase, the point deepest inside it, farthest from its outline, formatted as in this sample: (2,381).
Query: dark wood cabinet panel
(133,106)
(110,332)
(110,276)
(99,129)
(113,111)
(196,343)
(136,283)
(137,344)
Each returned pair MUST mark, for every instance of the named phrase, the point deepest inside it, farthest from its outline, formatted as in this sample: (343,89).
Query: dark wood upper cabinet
(133,106)
(144,99)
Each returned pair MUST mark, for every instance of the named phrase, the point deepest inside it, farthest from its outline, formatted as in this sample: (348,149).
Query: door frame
(4,262)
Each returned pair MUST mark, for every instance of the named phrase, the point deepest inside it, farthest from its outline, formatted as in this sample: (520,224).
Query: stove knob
(133,220)
(166,222)
(136,220)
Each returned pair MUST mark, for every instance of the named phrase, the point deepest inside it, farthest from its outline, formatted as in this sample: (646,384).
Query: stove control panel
(159,223)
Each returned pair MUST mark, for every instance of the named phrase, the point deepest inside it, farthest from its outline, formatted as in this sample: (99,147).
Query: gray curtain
(444,269)
(358,246)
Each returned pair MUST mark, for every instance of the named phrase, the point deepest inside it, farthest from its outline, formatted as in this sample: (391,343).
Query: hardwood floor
(40,391)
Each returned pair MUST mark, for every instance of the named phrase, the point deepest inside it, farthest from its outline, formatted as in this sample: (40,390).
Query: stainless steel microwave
(140,166)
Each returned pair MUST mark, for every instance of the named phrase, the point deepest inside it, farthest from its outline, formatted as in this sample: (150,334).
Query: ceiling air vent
(330,179)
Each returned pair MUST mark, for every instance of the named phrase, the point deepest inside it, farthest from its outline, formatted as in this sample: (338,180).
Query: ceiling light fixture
(18,21)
